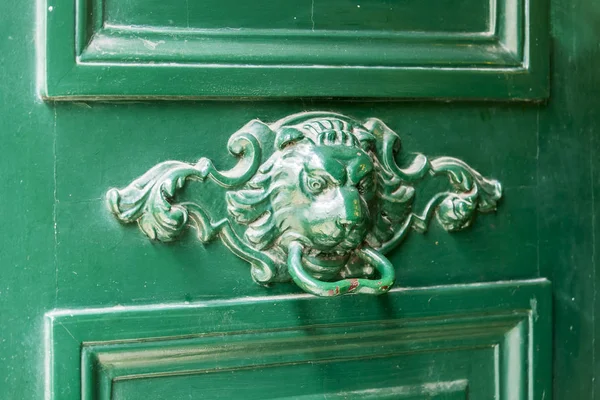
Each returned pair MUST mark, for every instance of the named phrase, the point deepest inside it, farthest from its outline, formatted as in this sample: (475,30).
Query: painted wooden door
(314,199)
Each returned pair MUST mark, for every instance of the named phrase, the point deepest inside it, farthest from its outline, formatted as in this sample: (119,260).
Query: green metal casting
(317,198)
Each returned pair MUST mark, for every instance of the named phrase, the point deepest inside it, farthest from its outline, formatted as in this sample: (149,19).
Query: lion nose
(352,210)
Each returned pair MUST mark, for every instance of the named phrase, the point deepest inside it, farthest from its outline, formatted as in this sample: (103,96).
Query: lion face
(318,195)
(323,197)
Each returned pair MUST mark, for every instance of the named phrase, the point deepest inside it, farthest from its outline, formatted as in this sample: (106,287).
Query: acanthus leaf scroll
(317,198)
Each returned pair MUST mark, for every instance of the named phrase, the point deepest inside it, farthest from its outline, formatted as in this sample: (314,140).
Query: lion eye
(315,185)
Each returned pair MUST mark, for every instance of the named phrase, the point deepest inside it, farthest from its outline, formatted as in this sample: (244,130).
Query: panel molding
(85,57)
(453,390)
(500,327)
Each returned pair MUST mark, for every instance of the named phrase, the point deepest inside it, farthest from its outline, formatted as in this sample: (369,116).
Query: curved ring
(320,288)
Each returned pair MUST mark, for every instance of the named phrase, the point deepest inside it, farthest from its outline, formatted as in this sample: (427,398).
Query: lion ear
(287,135)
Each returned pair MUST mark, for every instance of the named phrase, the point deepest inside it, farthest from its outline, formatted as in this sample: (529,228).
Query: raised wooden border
(82,58)
(89,350)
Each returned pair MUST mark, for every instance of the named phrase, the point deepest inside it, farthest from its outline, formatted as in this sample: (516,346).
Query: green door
(326,199)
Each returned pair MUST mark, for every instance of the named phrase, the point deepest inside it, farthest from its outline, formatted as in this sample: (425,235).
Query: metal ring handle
(355,285)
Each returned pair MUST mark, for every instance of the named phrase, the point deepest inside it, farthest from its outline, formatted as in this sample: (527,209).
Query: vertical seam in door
(54,211)
(312,14)
(594,303)
(187,13)
(537,188)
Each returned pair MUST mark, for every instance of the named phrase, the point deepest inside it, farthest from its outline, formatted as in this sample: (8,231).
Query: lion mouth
(327,254)
(348,241)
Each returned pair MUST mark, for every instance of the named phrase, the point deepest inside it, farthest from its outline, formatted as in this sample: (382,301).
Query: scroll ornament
(318,198)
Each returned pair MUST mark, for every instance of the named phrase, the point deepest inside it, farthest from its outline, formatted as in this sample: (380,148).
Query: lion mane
(266,202)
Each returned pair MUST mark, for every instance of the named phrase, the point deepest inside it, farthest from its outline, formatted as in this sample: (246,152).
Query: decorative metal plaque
(317,198)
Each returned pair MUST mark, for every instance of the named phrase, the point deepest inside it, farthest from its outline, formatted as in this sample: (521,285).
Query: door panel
(186,270)
(477,341)
(335,48)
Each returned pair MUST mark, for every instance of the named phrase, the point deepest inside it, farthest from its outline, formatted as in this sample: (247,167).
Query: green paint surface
(61,248)
(389,15)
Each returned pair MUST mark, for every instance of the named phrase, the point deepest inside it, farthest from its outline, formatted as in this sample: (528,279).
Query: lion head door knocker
(317,198)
